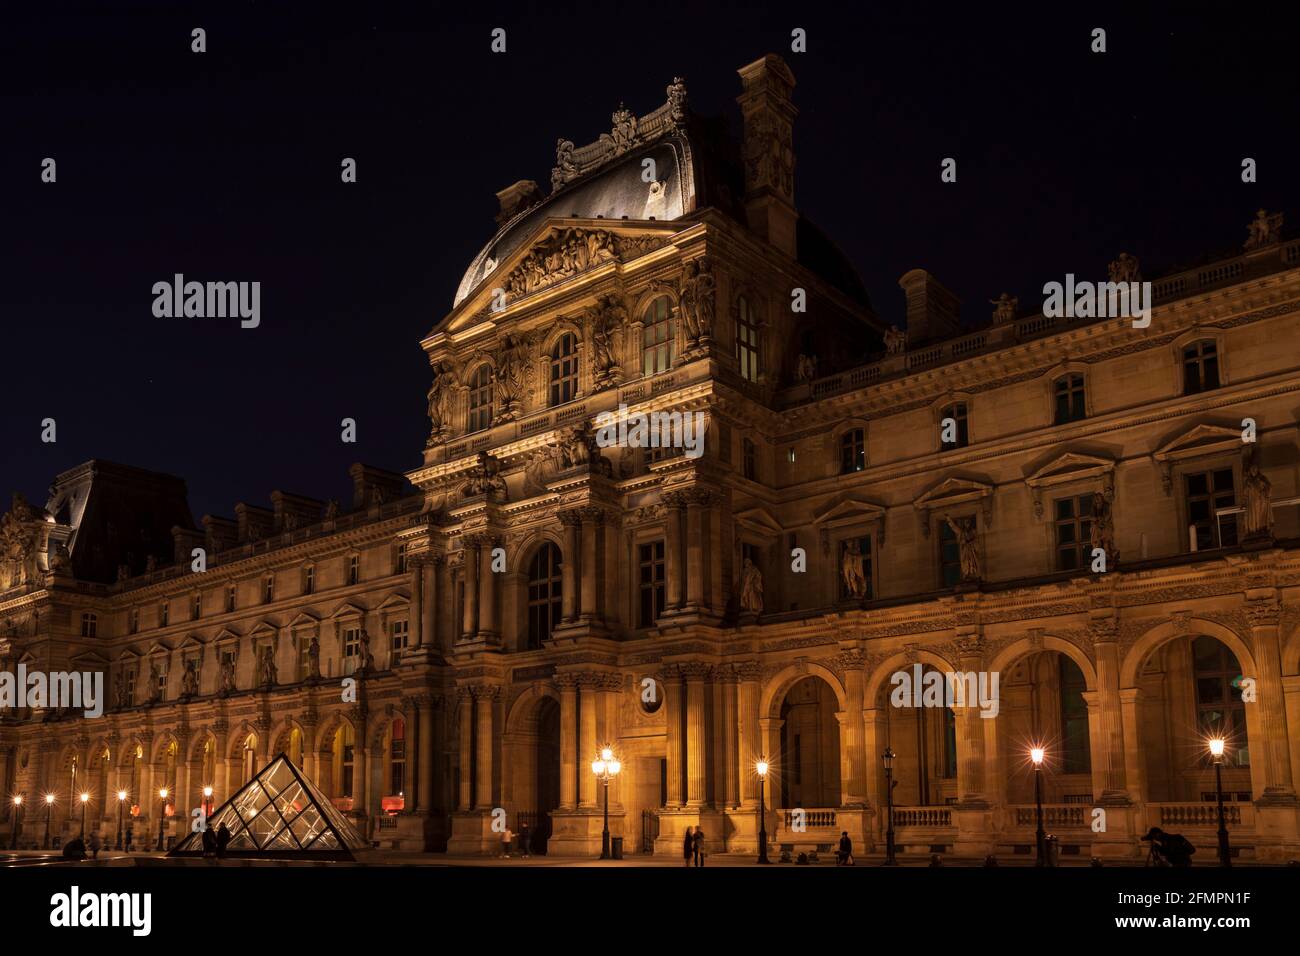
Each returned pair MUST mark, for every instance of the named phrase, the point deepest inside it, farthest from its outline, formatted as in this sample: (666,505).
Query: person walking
(688,846)
(699,846)
(96,844)
(525,840)
(845,855)
(223,837)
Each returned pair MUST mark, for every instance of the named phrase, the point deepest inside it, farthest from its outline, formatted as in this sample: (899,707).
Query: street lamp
(1036,755)
(605,767)
(1216,751)
(49,810)
(207,804)
(121,802)
(762,767)
(162,816)
(18,821)
(85,800)
(888,758)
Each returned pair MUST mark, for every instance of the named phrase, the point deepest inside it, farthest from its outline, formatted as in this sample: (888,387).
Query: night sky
(225,166)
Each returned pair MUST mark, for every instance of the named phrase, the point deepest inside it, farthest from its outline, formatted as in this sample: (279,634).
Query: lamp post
(85,800)
(207,804)
(121,803)
(1040,837)
(162,816)
(49,810)
(888,758)
(762,767)
(1216,751)
(605,767)
(18,821)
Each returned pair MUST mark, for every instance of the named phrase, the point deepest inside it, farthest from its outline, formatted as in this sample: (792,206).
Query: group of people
(215,841)
(693,846)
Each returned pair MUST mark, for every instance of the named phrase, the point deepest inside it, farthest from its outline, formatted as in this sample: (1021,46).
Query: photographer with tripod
(1168,849)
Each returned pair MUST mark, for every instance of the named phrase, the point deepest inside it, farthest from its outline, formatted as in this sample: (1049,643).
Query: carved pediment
(840,511)
(226,635)
(347,609)
(304,619)
(950,493)
(192,642)
(1072,466)
(1196,442)
(759,520)
(159,649)
(89,661)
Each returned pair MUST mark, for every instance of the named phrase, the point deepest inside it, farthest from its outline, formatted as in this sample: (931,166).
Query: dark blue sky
(225,166)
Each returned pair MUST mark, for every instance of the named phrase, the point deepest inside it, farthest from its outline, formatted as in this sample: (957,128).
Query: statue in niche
(607,323)
(1257,499)
(1101,528)
(508,376)
(751,588)
(266,672)
(190,680)
(155,683)
(853,569)
(968,546)
(227,675)
(440,397)
(895,341)
(697,301)
(313,659)
(806,369)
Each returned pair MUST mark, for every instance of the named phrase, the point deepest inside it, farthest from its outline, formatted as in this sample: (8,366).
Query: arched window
(953,432)
(480,398)
(657,337)
(397,758)
(747,350)
(347,743)
(564,369)
(1068,390)
(250,757)
(853,451)
(1200,367)
(545,588)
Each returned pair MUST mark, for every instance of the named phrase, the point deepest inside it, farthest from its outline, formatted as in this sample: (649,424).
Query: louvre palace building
(1094,517)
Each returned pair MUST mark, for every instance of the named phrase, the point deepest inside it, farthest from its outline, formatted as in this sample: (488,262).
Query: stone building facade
(1100,514)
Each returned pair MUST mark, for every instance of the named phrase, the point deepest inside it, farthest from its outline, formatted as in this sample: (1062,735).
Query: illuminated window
(1200,367)
(657,338)
(956,429)
(853,451)
(564,370)
(480,398)
(545,590)
(747,350)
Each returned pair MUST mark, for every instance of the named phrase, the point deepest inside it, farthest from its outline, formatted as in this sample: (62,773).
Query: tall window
(1073,532)
(748,460)
(400,632)
(397,759)
(545,589)
(1219,707)
(135,620)
(230,598)
(347,745)
(949,744)
(400,563)
(196,607)
(129,680)
(163,613)
(564,369)
(1069,399)
(268,589)
(651,555)
(480,398)
(657,337)
(162,684)
(952,427)
(308,579)
(746,340)
(853,451)
(89,623)
(354,569)
(1200,367)
(949,557)
(1207,492)
(1074,717)
(351,648)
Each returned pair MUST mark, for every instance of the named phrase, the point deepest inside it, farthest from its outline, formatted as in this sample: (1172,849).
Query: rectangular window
(1207,492)
(308,579)
(949,557)
(130,687)
(162,685)
(135,620)
(304,656)
(400,632)
(746,341)
(89,624)
(268,590)
(230,598)
(953,431)
(1069,399)
(1200,367)
(354,569)
(749,460)
(196,607)
(657,338)
(351,648)
(397,755)
(401,560)
(1073,520)
(652,579)
(163,613)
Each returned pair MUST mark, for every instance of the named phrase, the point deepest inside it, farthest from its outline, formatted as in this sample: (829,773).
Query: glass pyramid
(279,813)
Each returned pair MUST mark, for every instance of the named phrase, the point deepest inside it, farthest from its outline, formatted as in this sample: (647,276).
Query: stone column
(674,695)
(1130,699)
(487,619)
(429,570)
(591,519)
(417,602)
(696,735)
(1265,617)
(587,742)
(749,745)
(568,740)
(361,778)
(1107,747)
(570,520)
(424,750)
(695,532)
(465,729)
(673,551)
(873,743)
(484,701)
(730,737)
(970,728)
(853,786)
(471,568)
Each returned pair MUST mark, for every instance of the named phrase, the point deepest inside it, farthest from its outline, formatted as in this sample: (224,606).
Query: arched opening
(545,589)
(1042,704)
(395,751)
(344,766)
(535,787)
(922,732)
(295,747)
(810,746)
(249,757)
(1191,691)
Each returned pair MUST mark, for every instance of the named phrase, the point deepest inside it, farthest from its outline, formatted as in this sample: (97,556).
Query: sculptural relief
(1265,230)
(607,321)
(895,341)
(440,398)
(968,546)
(1101,528)
(853,569)
(1257,499)
(751,588)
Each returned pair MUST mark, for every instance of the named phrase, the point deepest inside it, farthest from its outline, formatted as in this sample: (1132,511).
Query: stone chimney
(767,106)
(932,311)
(370,484)
(515,199)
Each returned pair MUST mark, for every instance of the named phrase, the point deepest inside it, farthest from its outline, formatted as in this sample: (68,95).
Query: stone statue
(313,659)
(606,326)
(543,465)
(123,573)
(968,545)
(1257,499)
(123,700)
(61,558)
(677,101)
(266,671)
(485,478)
(1125,269)
(440,396)
(155,689)
(895,341)
(697,305)
(331,509)
(1265,230)
(566,170)
(190,680)
(508,376)
(623,135)
(806,368)
(1004,308)
(751,588)
(574,447)
(852,569)
(150,564)
(365,659)
(1101,527)
(227,675)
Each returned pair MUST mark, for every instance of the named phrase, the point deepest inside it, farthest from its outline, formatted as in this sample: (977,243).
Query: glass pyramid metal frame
(280,813)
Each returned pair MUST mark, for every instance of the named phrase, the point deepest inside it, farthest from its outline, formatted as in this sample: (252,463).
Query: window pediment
(1197,442)
(1070,467)
(760,521)
(950,493)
